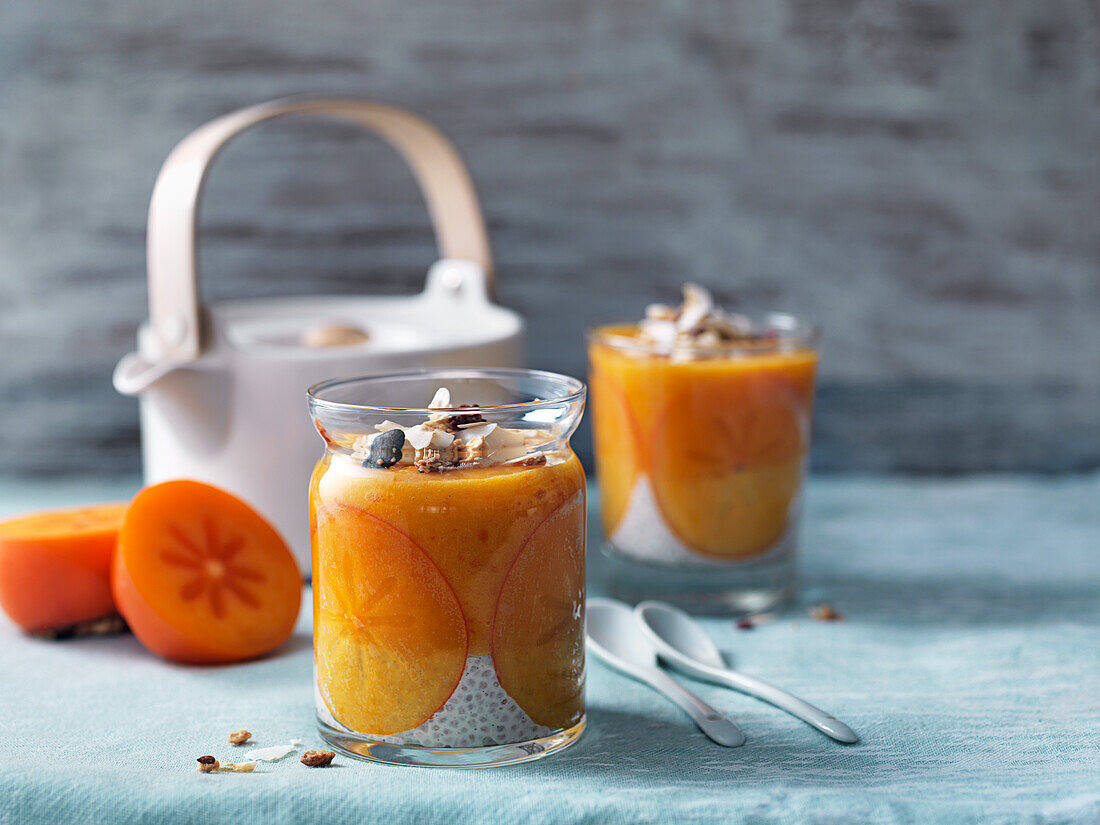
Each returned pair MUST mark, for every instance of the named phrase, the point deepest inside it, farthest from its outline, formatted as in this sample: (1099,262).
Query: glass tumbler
(448,536)
(700,457)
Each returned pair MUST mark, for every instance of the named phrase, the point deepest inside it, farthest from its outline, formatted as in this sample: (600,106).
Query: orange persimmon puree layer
(414,572)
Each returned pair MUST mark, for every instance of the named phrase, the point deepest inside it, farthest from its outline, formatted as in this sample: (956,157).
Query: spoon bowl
(681,642)
(674,632)
(616,638)
(613,634)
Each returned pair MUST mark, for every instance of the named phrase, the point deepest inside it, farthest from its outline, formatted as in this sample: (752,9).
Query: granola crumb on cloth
(239,737)
(825,613)
(317,759)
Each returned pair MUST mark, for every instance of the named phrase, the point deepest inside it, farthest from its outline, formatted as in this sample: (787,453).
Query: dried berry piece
(451,423)
(239,737)
(459,419)
(317,759)
(385,449)
(208,764)
(745,624)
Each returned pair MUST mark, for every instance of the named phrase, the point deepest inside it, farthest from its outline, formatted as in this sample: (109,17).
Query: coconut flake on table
(271,754)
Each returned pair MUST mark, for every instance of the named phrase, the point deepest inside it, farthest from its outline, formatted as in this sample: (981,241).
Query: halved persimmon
(390,641)
(618,446)
(538,631)
(202,577)
(727,462)
(55,567)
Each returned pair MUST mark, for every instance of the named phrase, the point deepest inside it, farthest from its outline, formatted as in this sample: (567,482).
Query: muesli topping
(447,440)
(698,324)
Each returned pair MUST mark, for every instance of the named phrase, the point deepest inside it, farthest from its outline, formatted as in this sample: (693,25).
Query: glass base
(755,586)
(362,747)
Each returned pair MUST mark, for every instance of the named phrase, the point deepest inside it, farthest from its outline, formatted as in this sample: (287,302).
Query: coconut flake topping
(454,438)
(697,324)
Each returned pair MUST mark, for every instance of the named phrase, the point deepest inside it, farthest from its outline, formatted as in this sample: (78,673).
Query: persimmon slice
(390,641)
(727,463)
(55,566)
(538,631)
(202,577)
(617,443)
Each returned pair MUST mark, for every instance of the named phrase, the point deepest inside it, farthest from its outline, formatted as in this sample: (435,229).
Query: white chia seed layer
(643,535)
(479,713)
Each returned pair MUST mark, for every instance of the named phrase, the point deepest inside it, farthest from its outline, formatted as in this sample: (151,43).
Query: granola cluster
(317,759)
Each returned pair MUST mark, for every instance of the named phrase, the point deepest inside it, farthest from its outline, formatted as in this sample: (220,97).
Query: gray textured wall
(923,177)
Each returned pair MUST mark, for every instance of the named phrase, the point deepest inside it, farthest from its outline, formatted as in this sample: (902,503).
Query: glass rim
(795,333)
(576,393)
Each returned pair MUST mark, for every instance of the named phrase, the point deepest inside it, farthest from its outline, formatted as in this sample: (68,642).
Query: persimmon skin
(55,567)
(180,542)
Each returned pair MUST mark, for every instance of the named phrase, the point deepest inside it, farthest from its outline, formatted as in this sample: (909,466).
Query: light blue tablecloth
(969,662)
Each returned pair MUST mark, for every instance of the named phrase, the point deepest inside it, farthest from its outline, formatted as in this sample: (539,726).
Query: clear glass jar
(448,566)
(700,455)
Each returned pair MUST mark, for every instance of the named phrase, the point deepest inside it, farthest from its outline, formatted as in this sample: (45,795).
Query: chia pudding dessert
(448,576)
(702,421)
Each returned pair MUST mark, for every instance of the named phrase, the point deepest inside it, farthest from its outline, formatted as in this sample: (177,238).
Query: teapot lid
(453,312)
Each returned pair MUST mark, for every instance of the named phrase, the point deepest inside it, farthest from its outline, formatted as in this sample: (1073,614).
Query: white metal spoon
(682,643)
(615,637)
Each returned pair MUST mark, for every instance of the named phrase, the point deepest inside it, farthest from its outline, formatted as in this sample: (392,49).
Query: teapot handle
(174,320)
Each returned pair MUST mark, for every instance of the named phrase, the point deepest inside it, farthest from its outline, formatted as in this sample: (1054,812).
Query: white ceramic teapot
(222,386)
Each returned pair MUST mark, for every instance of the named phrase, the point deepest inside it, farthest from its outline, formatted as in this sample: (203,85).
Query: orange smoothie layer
(425,580)
(715,442)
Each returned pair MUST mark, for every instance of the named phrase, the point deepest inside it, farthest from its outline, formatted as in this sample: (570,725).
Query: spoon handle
(714,724)
(824,722)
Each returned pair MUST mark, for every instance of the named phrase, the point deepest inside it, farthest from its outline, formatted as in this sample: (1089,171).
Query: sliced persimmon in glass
(618,446)
(55,567)
(538,631)
(727,463)
(202,577)
(390,640)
